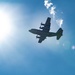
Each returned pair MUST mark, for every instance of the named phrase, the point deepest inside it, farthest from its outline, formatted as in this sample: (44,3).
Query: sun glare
(5,25)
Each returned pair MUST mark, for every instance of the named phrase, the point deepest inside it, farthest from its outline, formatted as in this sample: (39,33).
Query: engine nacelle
(41,27)
(42,24)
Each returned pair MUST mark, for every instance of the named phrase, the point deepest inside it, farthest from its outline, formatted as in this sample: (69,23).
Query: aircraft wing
(42,38)
(48,21)
(47,25)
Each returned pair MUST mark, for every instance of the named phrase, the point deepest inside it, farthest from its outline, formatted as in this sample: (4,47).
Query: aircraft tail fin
(59,33)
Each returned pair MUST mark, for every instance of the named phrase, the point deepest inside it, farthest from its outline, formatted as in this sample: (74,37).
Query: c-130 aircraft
(42,34)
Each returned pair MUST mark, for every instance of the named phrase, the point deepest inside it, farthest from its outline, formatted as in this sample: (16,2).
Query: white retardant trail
(59,22)
(47,4)
(50,7)
(52,10)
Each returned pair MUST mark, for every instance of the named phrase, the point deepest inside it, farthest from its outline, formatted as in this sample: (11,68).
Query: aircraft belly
(35,31)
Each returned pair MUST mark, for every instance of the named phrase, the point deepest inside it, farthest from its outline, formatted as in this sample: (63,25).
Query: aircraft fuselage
(41,32)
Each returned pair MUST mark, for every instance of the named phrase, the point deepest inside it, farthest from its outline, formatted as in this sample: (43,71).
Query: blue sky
(20,53)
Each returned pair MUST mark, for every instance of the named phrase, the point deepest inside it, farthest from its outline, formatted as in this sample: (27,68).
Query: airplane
(44,32)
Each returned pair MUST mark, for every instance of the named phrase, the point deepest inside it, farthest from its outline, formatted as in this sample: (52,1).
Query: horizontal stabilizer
(59,33)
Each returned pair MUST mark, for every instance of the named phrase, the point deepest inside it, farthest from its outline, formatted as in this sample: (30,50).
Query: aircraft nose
(29,30)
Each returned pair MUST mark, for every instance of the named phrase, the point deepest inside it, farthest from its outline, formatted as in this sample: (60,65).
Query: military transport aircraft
(44,32)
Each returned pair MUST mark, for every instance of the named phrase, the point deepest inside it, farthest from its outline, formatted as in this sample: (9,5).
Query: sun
(5,25)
